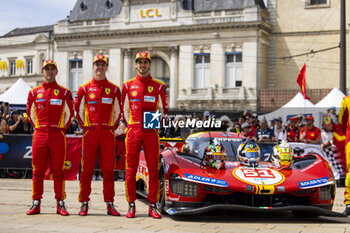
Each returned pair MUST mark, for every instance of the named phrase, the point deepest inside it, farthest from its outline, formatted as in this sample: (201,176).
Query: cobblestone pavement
(16,200)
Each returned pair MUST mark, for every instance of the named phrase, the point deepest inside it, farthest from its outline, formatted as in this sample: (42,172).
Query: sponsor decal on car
(258,176)
(229,139)
(206,180)
(315,183)
(171,211)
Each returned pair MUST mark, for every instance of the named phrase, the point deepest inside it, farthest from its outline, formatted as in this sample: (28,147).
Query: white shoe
(93,177)
(99,177)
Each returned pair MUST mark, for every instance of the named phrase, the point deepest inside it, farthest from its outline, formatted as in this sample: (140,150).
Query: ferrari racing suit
(140,95)
(50,110)
(345,121)
(97,105)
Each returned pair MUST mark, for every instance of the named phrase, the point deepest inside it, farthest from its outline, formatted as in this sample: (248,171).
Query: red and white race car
(187,186)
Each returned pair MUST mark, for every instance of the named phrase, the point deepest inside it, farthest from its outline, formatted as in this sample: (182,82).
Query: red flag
(301,81)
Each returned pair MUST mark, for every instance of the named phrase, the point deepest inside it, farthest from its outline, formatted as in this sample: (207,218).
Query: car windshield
(197,146)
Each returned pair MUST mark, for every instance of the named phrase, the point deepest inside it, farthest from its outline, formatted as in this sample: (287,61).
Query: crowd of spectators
(298,128)
(12,121)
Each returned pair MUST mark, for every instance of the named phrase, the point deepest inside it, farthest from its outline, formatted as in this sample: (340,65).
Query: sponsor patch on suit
(107,100)
(150,99)
(55,102)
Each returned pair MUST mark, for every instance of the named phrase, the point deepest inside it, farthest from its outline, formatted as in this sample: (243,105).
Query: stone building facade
(212,54)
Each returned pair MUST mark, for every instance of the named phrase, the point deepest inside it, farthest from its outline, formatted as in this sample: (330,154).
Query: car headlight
(181,187)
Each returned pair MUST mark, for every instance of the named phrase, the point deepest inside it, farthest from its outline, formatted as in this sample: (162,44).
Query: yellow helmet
(282,155)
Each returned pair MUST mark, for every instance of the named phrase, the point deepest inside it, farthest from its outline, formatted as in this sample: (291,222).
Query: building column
(115,66)
(186,71)
(62,62)
(173,78)
(217,67)
(88,57)
(127,64)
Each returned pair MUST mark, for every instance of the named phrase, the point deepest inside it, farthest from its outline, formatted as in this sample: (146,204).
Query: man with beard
(50,110)
(140,96)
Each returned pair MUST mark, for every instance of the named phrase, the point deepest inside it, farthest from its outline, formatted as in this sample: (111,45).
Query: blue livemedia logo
(151,120)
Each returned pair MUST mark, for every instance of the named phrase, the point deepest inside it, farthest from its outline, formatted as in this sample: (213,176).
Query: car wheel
(161,201)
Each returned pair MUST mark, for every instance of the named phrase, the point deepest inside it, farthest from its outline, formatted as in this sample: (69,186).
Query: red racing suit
(312,134)
(345,121)
(97,106)
(50,110)
(139,95)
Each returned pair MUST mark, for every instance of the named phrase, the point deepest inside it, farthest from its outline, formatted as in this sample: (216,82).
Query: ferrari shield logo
(67,165)
(56,91)
(150,88)
(107,90)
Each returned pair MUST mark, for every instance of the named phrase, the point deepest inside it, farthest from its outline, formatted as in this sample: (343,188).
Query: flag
(301,81)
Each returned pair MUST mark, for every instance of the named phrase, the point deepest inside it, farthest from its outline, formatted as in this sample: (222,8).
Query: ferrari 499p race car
(219,171)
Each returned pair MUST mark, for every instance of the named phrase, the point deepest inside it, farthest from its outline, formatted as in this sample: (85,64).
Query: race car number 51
(258,176)
(258,173)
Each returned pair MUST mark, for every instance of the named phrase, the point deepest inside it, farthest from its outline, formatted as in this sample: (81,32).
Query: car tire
(161,201)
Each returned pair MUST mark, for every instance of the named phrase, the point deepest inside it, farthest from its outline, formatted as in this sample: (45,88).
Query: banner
(16,153)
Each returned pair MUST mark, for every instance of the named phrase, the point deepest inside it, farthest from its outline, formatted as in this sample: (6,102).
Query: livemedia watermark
(153,120)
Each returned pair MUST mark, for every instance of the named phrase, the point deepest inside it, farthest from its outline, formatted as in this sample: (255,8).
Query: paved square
(15,200)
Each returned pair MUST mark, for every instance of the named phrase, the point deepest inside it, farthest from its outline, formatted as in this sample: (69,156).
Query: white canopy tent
(17,94)
(295,106)
(333,98)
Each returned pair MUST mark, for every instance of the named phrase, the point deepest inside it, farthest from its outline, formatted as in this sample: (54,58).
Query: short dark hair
(14,112)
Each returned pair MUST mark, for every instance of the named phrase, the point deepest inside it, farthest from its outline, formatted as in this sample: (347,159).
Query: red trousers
(47,144)
(97,139)
(150,140)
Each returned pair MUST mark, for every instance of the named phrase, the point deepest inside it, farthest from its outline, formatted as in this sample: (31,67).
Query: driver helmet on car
(249,154)
(215,155)
(282,155)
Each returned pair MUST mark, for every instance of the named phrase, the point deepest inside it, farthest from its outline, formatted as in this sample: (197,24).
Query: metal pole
(342,81)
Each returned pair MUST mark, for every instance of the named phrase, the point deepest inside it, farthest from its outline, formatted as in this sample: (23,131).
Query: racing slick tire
(161,201)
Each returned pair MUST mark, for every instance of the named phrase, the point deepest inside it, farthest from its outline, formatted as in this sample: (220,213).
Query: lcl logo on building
(151,12)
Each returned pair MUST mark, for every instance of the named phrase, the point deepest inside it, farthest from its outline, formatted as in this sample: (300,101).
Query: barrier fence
(16,153)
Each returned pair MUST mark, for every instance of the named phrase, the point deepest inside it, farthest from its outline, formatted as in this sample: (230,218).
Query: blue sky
(31,13)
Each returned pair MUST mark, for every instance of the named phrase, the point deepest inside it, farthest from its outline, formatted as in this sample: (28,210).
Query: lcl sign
(151,12)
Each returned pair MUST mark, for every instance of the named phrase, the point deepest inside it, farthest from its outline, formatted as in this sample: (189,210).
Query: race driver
(141,95)
(50,110)
(345,122)
(97,106)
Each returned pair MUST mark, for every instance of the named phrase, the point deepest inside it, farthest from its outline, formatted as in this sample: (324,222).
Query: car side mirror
(298,151)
